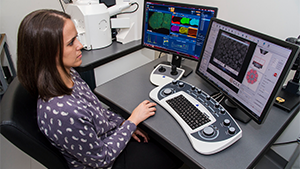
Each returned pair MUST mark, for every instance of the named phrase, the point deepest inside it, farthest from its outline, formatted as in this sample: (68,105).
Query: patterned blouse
(88,135)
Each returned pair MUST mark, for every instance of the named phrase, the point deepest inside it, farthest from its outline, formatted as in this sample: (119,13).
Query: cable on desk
(288,142)
(217,96)
(221,99)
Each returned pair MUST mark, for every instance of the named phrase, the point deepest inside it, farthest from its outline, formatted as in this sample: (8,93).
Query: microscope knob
(217,105)
(181,84)
(168,91)
(223,111)
(174,70)
(199,91)
(208,97)
(231,130)
(208,131)
(226,122)
(162,69)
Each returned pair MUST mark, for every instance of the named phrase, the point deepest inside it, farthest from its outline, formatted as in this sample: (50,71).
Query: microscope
(93,21)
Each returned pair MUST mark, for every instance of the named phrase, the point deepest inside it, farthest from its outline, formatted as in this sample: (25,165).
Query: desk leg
(294,157)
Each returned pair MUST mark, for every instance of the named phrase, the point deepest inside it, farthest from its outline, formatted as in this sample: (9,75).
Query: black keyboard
(188,112)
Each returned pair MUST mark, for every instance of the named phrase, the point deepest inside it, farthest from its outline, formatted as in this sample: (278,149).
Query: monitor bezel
(175,4)
(280,82)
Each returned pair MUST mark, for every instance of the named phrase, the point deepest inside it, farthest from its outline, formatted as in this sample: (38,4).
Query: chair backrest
(18,124)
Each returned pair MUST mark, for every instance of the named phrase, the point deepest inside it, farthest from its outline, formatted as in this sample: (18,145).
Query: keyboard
(193,117)
(208,126)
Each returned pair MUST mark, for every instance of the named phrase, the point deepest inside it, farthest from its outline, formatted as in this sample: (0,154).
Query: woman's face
(72,53)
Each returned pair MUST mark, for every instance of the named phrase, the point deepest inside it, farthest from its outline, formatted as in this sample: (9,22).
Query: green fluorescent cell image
(160,20)
(185,21)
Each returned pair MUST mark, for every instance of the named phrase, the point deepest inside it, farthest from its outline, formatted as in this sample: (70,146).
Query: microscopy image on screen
(230,53)
(185,26)
(252,78)
(185,21)
(159,22)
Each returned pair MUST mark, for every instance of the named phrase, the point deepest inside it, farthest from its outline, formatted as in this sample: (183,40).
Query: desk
(97,57)
(126,92)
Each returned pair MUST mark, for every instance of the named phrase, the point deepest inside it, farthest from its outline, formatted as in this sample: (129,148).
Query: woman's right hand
(142,112)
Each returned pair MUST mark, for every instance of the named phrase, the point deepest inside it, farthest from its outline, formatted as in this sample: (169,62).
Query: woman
(68,112)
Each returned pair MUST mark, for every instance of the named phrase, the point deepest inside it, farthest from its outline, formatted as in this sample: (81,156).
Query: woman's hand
(141,133)
(142,112)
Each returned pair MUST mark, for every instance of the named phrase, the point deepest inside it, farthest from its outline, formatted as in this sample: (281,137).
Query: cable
(221,99)
(216,95)
(288,142)
(134,3)
(159,54)
(62,6)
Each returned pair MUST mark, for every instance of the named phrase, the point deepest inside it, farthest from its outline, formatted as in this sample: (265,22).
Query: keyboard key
(188,112)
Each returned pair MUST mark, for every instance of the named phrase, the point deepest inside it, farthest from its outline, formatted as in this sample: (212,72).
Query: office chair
(18,124)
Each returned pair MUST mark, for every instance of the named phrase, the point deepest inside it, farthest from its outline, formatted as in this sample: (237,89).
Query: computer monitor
(248,67)
(177,29)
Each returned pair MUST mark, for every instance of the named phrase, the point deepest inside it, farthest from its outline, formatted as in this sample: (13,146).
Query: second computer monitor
(175,28)
(247,66)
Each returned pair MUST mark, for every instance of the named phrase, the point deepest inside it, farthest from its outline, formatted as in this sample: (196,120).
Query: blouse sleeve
(112,116)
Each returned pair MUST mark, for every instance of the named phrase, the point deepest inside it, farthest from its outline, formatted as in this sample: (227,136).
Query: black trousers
(149,155)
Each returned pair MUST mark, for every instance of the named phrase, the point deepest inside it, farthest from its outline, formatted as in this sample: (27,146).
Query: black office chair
(18,124)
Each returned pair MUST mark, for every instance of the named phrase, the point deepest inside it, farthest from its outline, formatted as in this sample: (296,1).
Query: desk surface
(126,92)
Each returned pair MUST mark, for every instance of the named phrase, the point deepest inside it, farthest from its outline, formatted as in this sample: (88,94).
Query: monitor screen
(248,67)
(176,28)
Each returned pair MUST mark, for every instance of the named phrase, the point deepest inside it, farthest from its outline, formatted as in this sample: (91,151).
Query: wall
(13,11)
(277,18)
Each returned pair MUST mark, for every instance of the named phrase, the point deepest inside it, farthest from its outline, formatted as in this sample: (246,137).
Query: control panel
(207,124)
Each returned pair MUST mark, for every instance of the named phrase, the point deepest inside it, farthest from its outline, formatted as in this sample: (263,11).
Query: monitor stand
(235,112)
(176,60)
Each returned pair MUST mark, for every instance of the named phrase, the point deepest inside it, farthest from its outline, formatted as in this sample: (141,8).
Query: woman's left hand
(139,132)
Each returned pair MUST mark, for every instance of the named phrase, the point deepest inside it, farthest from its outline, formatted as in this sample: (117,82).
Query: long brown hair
(40,41)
